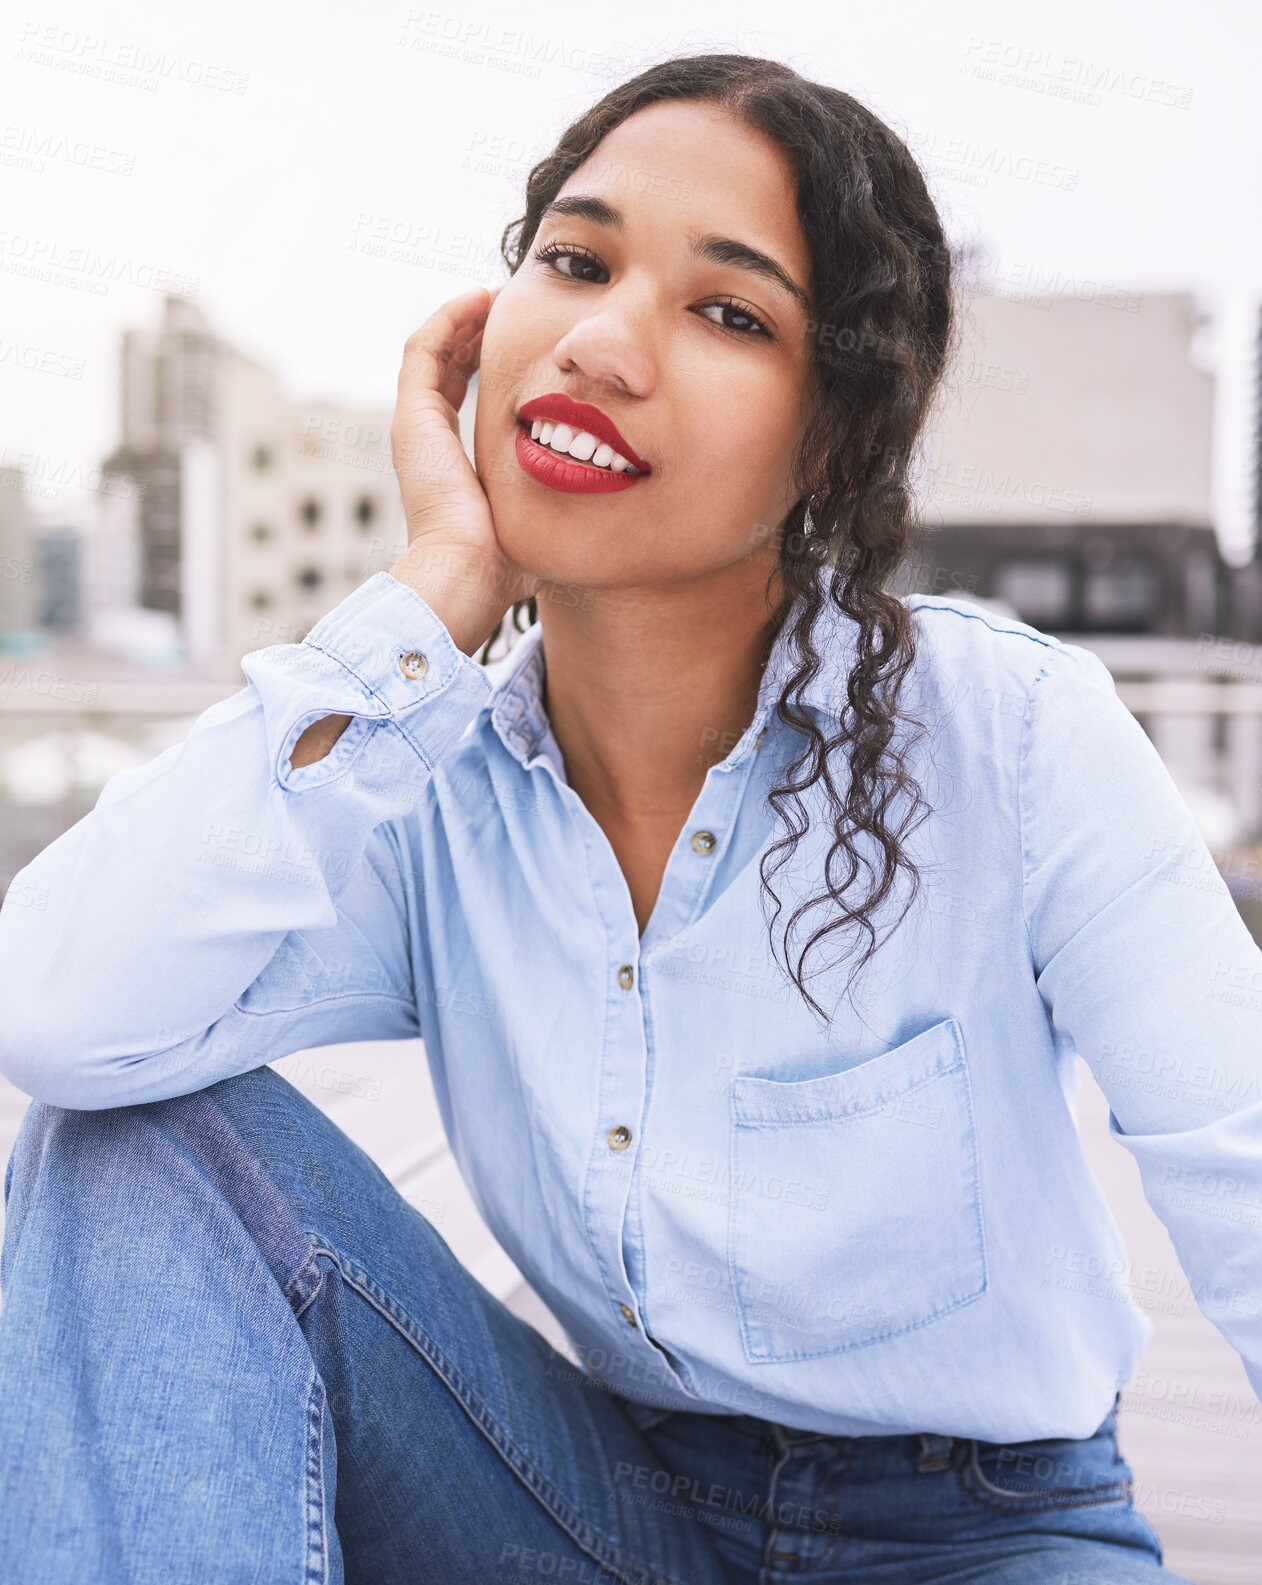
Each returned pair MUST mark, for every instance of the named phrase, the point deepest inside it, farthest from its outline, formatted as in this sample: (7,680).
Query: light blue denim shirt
(884,1225)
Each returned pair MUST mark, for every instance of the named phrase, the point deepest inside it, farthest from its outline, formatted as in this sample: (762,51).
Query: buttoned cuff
(383,657)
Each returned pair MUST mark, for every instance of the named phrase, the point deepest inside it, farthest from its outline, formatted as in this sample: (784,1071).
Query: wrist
(455,586)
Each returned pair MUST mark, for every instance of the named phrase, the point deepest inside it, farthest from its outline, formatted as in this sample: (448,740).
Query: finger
(465,362)
(468,337)
(467,355)
(428,351)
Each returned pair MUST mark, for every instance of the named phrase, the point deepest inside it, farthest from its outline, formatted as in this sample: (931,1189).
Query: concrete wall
(1060,409)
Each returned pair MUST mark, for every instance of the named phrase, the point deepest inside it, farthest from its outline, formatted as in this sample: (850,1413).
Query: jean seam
(317,1560)
(601,1548)
(304,1285)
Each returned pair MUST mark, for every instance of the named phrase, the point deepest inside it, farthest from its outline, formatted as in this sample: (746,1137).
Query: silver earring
(808,523)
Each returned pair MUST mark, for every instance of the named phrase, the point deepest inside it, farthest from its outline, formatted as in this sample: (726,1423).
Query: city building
(19,596)
(311,507)
(1067,479)
(251,514)
(57,577)
(1068,469)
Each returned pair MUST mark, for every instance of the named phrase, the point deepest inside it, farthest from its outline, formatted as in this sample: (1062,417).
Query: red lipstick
(568,473)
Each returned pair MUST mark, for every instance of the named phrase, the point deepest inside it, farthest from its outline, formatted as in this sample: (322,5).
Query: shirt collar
(515,706)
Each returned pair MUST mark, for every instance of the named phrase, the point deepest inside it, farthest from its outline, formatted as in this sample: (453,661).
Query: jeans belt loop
(935,1451)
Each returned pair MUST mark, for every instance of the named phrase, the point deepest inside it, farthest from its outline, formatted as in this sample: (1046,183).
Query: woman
(820,1232)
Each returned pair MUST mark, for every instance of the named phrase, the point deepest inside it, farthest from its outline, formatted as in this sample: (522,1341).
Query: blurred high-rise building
(57,563)
(1068,478)
(252,513)
(19,596)
(1068,468)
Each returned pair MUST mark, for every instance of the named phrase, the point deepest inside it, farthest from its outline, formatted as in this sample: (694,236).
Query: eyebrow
(719,250)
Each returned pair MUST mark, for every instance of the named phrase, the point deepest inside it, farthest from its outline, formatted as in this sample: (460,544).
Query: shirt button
(413,664)
(704,842)
(628,1314)
(626,976)
(619,1137)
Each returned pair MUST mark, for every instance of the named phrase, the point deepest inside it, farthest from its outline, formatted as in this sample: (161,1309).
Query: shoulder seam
(1046,641)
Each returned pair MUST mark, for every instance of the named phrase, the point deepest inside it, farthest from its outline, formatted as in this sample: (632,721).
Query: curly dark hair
(880,337)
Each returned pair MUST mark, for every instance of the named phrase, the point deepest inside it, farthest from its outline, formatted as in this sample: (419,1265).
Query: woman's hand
(453,560)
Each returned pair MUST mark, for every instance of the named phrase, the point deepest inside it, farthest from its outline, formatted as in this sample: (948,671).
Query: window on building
(365,510)
(309,511)
(1222,735)
(1039,587)
(1125,598)
(262,457)
(310,577)
(261,532)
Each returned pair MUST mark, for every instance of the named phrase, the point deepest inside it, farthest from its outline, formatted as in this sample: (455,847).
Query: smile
(580,444)
(574,447)
(563,471)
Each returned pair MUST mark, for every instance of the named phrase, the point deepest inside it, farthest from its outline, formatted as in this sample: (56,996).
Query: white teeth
(579,444)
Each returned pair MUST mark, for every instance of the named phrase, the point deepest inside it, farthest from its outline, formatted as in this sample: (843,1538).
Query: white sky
(361,114)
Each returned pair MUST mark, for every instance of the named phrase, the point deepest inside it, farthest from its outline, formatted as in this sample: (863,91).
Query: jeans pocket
(1050,1472)
(855,1212)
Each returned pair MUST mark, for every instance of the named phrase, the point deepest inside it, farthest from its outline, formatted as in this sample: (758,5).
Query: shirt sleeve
(218,908)
(1144,962)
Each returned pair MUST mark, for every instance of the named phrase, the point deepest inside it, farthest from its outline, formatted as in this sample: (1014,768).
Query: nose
(606,355)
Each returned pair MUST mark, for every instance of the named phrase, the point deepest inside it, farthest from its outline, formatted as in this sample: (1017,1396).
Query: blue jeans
(230,1351)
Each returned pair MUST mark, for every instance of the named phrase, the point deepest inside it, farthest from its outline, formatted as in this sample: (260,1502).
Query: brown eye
(553,253)
(579,262)
(747,323)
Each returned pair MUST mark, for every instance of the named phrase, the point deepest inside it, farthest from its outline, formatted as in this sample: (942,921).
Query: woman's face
(628,316)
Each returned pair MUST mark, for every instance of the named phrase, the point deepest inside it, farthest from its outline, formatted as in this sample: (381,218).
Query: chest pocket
(855,1212)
